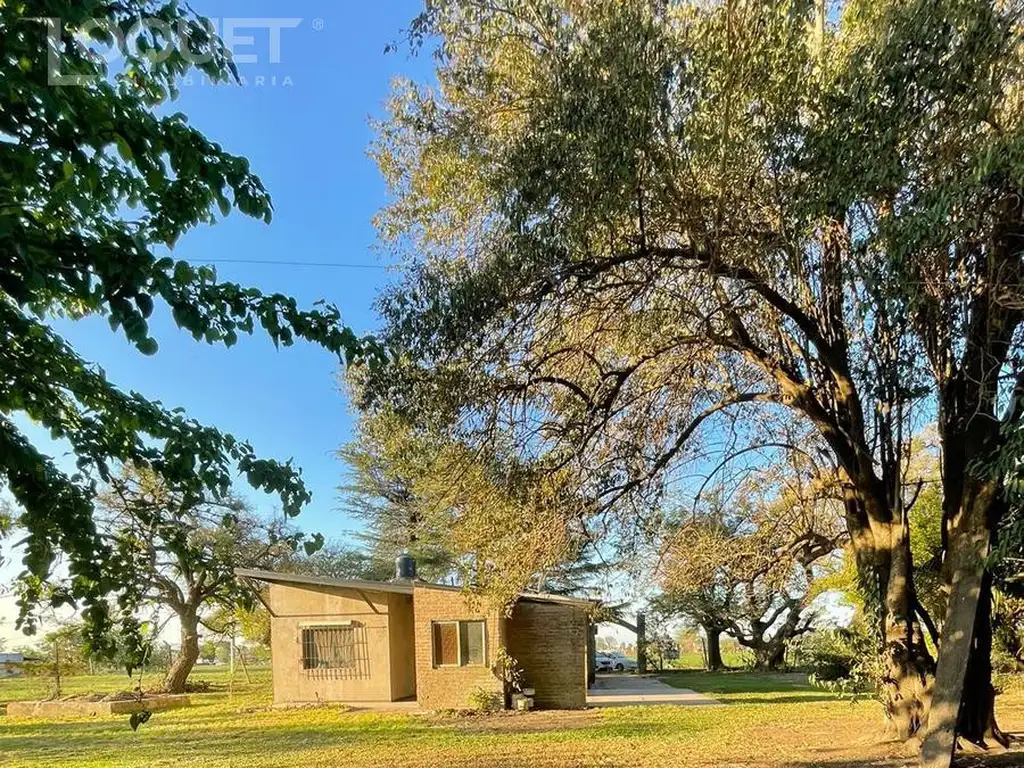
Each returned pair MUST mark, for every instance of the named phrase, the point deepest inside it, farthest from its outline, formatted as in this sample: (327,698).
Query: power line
(271,262)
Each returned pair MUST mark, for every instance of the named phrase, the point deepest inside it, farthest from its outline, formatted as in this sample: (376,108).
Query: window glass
(472,641)
(446,644)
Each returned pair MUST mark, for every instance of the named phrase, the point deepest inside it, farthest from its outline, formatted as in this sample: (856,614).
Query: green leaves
(98,185)
(139,718)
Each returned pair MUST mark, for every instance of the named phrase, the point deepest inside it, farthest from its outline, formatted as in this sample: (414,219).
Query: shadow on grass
(775,699)
(881,762)
(739,681)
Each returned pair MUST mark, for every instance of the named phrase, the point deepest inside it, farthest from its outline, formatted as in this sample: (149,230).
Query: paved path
(636,690)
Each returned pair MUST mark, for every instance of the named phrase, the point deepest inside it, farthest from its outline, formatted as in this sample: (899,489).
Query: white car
(614,661)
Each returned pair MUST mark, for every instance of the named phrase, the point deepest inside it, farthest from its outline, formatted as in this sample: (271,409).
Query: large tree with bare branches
(638,231)
(742,560)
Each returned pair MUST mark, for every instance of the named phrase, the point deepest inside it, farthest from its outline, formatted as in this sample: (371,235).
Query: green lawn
(695,660)
(40,687)
(748,687)
(766,720)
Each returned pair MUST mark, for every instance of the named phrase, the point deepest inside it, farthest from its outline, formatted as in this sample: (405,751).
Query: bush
(484,700)
(834,654)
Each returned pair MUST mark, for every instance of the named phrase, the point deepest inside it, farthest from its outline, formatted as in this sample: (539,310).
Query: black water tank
(405,566)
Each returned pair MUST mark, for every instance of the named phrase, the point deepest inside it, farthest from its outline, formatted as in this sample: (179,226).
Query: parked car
(614,661)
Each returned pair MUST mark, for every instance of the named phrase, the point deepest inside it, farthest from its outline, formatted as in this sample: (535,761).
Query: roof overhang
(273,577)
(401,587)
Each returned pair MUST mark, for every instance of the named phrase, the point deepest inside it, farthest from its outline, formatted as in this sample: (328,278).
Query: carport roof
(402,587)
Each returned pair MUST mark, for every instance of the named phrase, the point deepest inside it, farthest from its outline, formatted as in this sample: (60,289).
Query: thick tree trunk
(769,656)
(714,659)
(907,665)
(908,677)
(178,674)
(977,718)
(965,642)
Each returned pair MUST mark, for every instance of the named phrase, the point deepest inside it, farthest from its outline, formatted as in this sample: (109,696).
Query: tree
(748,575)
(100,180)
(424,492)
(208,651)
(705,607)
(339,561)
(179,551)
(632,228)
(385,462)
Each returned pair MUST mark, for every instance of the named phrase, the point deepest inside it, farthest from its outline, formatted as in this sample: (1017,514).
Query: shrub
(197,686)
(484,700)
(834,654)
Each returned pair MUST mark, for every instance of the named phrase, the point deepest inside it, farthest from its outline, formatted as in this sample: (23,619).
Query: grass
(744,687)
(774,721)
(695,659)
(42,686)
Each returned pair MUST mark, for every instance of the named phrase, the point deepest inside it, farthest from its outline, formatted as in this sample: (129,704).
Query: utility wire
(338,265)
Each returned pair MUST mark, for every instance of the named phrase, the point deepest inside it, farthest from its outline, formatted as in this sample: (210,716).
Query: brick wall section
(549,640)
(450,687)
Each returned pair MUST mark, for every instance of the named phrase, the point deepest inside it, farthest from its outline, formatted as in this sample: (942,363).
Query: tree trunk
(641,643)
(714,639)
(769,656)
(965,642)
(977,719)
(178,674)
(908,668)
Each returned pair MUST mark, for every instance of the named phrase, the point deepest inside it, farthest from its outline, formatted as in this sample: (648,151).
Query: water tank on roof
(405,566)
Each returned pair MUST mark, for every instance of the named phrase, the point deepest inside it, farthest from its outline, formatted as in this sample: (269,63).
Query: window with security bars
(460,643)
(330,649)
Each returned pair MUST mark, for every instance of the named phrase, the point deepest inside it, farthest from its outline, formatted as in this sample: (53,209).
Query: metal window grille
(333,652)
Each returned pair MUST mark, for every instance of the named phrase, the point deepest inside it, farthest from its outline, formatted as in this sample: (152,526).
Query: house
(12,664)
(349,640)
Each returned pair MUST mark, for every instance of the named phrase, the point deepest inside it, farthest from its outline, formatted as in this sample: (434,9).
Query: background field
(763,717)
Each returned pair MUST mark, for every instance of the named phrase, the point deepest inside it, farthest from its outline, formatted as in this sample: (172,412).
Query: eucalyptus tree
(100,179)
(633,227)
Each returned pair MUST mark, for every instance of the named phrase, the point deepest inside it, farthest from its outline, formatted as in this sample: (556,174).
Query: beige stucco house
(348,640)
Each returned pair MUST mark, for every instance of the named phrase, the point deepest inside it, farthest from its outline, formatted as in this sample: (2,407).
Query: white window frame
(458,643)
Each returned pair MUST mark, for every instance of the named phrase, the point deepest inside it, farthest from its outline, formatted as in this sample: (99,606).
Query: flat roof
(402,587)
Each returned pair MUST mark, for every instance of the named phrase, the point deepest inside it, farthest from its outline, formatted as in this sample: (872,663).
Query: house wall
(450,687)
(403,647)
(293,606)
(549,641)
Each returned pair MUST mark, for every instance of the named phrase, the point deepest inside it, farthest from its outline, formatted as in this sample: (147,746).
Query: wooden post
(641,643)
(56,665)
(591,654)
(241,659)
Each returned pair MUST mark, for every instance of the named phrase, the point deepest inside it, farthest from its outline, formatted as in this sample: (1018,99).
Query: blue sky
(306,130)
